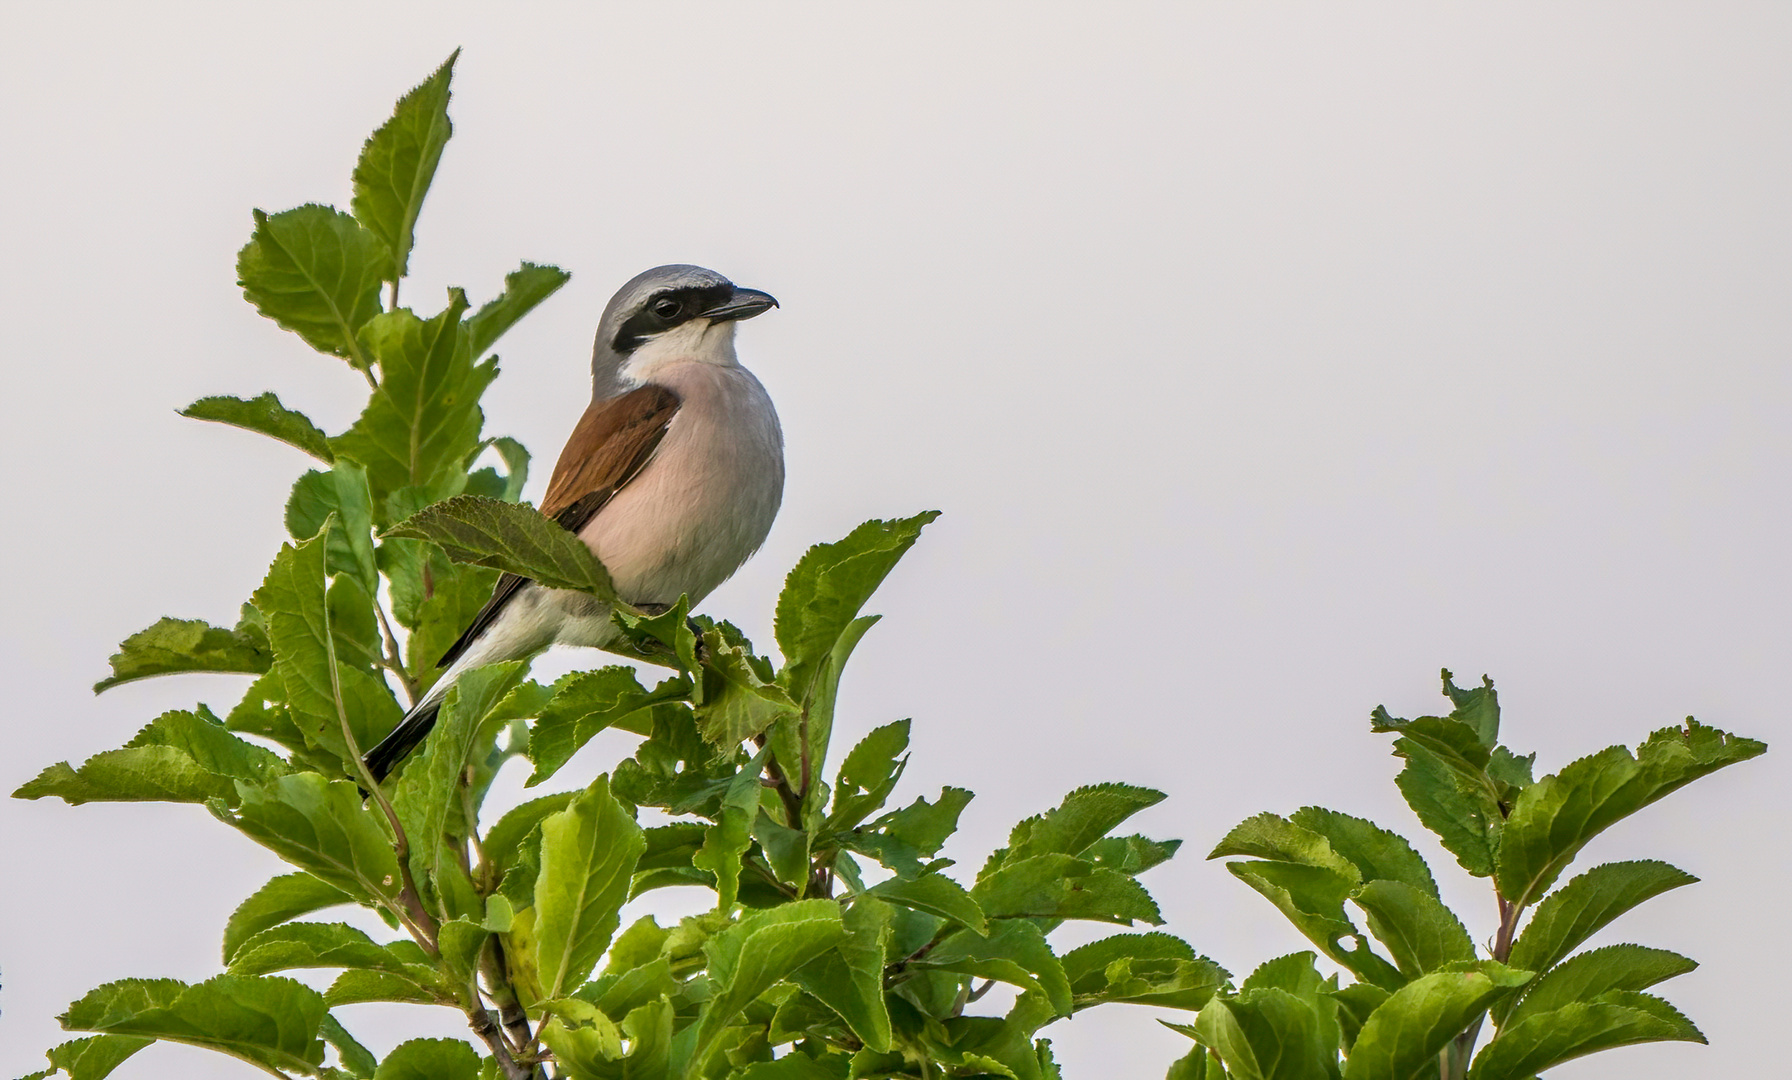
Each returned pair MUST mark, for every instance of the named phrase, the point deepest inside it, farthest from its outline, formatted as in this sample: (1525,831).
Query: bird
(672,477)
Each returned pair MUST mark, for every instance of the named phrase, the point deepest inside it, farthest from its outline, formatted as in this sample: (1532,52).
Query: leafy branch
(839,943)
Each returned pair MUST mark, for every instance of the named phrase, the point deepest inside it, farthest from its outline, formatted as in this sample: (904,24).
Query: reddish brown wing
(611,443)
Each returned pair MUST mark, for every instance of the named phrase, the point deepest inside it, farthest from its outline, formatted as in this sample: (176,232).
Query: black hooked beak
(741,304)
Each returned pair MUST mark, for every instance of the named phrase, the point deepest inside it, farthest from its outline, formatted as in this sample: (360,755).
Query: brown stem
(1502,942)
(496,969)
(793,803)
(480,1020)
(1453,1062)
(394,658)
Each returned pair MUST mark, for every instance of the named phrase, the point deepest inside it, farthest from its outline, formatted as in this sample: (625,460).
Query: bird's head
(669,314)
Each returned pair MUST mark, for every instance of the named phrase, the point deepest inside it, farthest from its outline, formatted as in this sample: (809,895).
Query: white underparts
(697,340)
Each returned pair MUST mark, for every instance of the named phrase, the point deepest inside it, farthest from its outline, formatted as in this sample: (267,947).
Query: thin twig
(394,658)
(793,803)
(421,925)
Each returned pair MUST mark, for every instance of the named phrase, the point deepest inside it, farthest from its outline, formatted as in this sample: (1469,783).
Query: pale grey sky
(1264,357)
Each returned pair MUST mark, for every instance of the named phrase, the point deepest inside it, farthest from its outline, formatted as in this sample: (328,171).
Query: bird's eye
(667,308)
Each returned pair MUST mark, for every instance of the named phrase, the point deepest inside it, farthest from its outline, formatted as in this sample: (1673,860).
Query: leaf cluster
(839,944)
(1414,992)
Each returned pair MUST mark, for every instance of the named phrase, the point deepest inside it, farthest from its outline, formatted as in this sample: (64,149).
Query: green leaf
(423,422)
(1556,816)
(263,712)
(935,894)
(1312,898)
(460,942)
(313,945)
(620,994)
(1453,743)
(503,840)
(729,838)
(316,272)
(209,744)
(267,1022)
(1268,836)
(1376,853)
(1131,855)
(264,414)
(583,1039)
(1513,772)
(92,1058)
(666,638)
(428,797)
(900,838)
(675,767)
(639,945)
(434,598)
(1547,1039)
(1478,707)
(747,959)
(430,1059)
(588,852)
(1085,816)
(398,162)
(1270,1034)
(1297,973)
(1197,1064)
(586,703)
(1064,887)
(1356,1003)
(739,700)
(1421,934)
(1412,1027)
(807,733)
(516,461)
(357,986)
(133,774)
(353,1056)
(524,288)
(868,775)
(786,851)
(318,692)
(285,897)
(511,537)
(343,492)
(1014,952)
(1598,971)
(319,826)
(649,1029)
(797,1065)
(823,594)
(172,646)
(1145,969)
(1577,910)
(849,978)
(1462,811)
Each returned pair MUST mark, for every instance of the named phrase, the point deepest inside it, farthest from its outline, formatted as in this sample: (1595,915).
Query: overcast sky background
(1264,358)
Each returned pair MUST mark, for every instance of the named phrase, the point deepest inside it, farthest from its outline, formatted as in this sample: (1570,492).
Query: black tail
(410,732)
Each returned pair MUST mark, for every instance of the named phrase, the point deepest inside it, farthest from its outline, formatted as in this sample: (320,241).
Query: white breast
(706,499)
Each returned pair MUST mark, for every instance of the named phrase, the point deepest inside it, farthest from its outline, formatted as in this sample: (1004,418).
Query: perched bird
(672,477)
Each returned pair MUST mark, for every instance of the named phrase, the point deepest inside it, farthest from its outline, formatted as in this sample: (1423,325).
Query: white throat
(698,340)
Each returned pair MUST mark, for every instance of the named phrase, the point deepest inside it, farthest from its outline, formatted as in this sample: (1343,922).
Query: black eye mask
(649,321)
